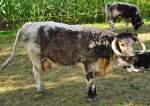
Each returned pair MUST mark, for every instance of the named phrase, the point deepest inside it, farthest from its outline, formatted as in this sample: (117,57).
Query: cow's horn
(113,45)
(142,44)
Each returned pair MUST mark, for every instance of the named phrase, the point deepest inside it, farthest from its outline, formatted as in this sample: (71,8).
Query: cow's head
(137,21)
(122,44)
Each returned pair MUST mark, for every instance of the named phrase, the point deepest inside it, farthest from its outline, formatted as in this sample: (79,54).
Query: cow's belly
(64,56)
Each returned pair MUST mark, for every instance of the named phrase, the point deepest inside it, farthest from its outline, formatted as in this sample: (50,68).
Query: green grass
(66,85)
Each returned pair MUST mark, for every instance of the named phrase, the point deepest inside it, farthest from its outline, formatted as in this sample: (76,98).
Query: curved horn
(142,44)
(113,45)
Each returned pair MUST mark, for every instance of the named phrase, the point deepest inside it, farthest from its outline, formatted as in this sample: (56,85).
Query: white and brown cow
(71,44)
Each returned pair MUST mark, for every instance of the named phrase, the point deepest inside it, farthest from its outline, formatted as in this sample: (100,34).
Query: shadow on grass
(110,91)
(66,87)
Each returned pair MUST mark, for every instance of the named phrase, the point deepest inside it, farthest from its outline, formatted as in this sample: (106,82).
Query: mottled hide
(62,46)
(68,47)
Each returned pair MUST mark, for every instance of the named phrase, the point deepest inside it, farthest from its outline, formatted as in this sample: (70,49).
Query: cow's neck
(100,45)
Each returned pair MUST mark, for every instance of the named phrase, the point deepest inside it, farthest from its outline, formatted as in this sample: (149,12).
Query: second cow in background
(125,11)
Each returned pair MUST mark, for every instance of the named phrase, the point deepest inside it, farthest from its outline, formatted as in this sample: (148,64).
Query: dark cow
(140,62)
(125,11)
(71,44)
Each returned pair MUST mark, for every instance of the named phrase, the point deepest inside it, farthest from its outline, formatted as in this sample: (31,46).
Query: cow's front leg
(91,85)
(112,25)
(90,79)
(126,26)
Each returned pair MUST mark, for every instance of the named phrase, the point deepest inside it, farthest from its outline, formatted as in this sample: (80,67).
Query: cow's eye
(123,45)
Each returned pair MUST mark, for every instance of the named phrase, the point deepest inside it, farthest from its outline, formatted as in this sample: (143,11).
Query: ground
(66,85)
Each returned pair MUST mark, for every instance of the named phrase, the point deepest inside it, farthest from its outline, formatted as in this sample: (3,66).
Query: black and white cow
(140,62)
(128,12)
(71,44)
(137,63)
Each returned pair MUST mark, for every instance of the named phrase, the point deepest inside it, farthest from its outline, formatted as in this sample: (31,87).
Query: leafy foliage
(16,12)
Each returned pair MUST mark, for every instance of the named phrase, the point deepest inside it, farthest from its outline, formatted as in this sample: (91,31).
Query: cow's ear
(135,35)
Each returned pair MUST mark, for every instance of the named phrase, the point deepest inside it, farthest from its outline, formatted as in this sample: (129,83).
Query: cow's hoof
(93,98)
(42,91)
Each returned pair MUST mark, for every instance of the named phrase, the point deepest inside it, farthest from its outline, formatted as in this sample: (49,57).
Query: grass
(66,85)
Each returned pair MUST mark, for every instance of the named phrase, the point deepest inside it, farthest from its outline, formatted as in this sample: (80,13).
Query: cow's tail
(13,51)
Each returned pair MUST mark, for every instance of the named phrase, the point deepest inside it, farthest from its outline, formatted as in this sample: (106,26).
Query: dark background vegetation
(14,13)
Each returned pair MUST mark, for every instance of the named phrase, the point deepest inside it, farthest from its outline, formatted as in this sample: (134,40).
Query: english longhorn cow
(70,44)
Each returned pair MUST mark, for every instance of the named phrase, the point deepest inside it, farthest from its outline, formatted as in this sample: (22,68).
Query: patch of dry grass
(66,85)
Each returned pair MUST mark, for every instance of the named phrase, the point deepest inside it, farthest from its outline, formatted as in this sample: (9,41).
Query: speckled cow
(125,11)
(71,44)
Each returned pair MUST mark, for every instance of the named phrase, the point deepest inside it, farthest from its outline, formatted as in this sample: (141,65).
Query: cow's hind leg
(37,77)
(90,79)
(37,69)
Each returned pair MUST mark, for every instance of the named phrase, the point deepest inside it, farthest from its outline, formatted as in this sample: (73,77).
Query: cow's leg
(37,77)
(34,55)
(126,25)
(109,18)
(112,21)
(91,85)
(37,69)
(90,79)
(112,25)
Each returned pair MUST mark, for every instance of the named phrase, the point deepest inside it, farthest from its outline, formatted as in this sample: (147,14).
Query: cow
(137,63)
(140,62)
(125,11)
(71,44)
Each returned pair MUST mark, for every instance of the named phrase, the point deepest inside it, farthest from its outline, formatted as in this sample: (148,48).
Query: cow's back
(62,43)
